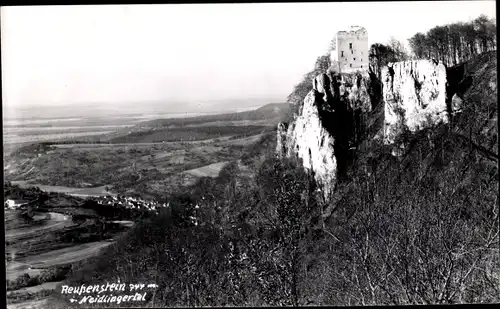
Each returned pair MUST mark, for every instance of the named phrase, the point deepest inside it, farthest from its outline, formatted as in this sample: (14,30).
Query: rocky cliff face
(308,139)
(414,94)
(326,126)
(332,121)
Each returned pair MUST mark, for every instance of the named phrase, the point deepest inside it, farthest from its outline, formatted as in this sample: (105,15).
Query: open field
(15,269)
(34,130)
(33,304)
(126,223)
(139,144)
(52,222)
(16,139)
(37,288)
(94,118)
(34,264)
(65,255)
(211,170)
(92,191)
(194,133)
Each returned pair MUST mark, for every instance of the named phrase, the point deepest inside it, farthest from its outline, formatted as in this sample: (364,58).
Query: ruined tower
(351,53)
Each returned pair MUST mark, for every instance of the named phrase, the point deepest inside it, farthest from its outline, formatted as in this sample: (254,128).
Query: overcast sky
(129,53)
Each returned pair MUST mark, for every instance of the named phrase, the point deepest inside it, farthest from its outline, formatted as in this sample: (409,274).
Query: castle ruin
(351,52)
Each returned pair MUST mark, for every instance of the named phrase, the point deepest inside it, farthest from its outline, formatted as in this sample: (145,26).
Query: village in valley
(129,202)
(108,200)
(133,203)
(119,202)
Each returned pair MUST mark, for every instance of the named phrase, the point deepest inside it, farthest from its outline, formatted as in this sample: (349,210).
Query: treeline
(380,55)
(457,42)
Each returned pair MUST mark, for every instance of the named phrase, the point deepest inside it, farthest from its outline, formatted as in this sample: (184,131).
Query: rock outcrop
(335,117)
(326,126)
(414,94)
(456,104)
(308,139)
(281,139)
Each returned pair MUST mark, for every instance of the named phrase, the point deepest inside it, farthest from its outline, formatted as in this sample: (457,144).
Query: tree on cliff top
(302,89)
(333,44)
(400,52)
(380,55)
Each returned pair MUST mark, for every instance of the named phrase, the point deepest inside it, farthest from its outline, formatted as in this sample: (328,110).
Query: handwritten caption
(103,293)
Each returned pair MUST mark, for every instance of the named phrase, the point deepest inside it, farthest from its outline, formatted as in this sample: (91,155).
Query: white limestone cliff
(356,88)
(321,131)
(327,127)
(308,139)
(414,94)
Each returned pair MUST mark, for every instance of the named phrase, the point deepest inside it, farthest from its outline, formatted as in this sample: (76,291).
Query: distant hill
(272,113)
(204,127)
